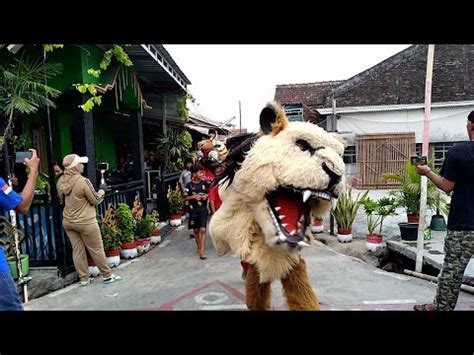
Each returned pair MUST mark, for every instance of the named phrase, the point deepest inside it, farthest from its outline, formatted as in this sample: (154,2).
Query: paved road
(172,277)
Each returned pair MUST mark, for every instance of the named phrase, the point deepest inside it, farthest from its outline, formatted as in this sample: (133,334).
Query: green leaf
(97,99)
(81,88)
(92,89)
(93,72)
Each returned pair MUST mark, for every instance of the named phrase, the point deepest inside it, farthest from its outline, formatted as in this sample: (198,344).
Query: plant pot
(155,239)
(143,245)
(93,269)
(438,223)
(25,265)
(374,242)
(129,250)
(344,235)
(113,257)
(412,218)
(175,220)
(317,227)
(408,231)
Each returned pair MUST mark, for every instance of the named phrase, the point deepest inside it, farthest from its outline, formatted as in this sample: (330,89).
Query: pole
(465,288)
(61,250)
(240,118)
(333,129)
(425,148)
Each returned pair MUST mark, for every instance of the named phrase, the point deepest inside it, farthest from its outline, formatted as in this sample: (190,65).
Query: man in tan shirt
(80,219)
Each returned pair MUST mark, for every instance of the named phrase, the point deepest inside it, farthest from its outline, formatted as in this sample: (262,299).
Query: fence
(47,244)
(378,154)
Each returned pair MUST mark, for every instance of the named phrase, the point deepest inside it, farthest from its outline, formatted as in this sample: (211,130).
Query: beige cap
(71,160)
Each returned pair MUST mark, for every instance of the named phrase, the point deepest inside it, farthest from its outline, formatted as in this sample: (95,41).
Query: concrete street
(172,277)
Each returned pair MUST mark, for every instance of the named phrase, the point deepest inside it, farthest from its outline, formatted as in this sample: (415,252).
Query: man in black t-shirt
(197,191)
(457,175)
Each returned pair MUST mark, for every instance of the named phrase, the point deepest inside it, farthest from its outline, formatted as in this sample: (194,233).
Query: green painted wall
(70,57)
(108,133)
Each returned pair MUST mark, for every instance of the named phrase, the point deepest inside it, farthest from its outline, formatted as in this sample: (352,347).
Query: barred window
(439,152)
(350,155)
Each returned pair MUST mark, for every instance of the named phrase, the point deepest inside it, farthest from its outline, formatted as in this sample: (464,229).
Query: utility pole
(425,151)
(333,129)
(240,118)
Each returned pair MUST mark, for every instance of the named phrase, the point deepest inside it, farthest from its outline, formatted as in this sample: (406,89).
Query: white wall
(446,125)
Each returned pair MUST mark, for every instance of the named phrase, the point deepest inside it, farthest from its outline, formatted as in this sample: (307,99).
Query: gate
(381,153)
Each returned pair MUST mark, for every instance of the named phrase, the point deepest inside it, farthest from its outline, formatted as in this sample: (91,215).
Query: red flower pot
(374,238)
(156,233)
(413,218)
(143,241)
(344,231)
(114,252)
(374,242)
(129,245)
(90,262)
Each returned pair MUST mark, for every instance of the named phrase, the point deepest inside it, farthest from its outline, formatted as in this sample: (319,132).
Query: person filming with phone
(80,219)
(456,176)
(20,202)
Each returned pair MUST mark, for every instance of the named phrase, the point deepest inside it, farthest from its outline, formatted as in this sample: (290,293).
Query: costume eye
(305,146)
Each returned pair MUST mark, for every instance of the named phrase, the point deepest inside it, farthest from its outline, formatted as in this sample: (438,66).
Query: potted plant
(111,240)
(409,194)
(317,226)
(126,227)
(345,213)
(11,250)
(25,265)
(176,204)
(143,231)
(155,237)
(376,212)
(93,268)
(438,222)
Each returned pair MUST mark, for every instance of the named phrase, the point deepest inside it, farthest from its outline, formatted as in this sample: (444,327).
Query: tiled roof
(309,93)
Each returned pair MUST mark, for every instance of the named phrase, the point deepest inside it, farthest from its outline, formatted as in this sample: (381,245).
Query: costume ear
(273,119)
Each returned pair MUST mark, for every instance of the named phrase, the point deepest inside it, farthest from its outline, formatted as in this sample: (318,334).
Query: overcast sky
(221,75)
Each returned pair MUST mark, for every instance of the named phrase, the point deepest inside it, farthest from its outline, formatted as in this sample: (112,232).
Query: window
(294,112)
(350,155)
(419,149)
(439,152)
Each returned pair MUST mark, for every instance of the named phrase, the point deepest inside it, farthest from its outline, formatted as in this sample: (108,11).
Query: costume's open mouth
(290,209)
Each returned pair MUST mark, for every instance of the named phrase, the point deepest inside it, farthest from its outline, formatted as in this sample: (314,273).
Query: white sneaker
(88,282)
(112,279)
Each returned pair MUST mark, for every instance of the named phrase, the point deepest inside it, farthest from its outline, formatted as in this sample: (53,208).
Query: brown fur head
(292,170)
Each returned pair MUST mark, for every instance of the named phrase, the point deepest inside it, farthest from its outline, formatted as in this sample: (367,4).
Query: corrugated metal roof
(382,108)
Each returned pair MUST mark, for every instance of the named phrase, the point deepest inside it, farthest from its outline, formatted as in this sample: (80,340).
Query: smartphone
(417,160)
(102,166)
(21,156)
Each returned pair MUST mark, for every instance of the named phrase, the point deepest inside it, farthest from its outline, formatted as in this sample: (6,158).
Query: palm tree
(409,193)
(23,90)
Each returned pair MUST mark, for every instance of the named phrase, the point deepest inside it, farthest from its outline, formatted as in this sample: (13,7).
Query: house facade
(384,105)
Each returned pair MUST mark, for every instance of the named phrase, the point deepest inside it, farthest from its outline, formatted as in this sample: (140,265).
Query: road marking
(390,302)
(201,298)
(389,274)
(223,307)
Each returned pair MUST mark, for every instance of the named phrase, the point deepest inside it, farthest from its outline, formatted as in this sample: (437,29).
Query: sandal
(202,257)
(424,307)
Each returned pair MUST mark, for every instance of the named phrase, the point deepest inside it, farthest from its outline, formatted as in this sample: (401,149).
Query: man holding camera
(457,175)
(9,199)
